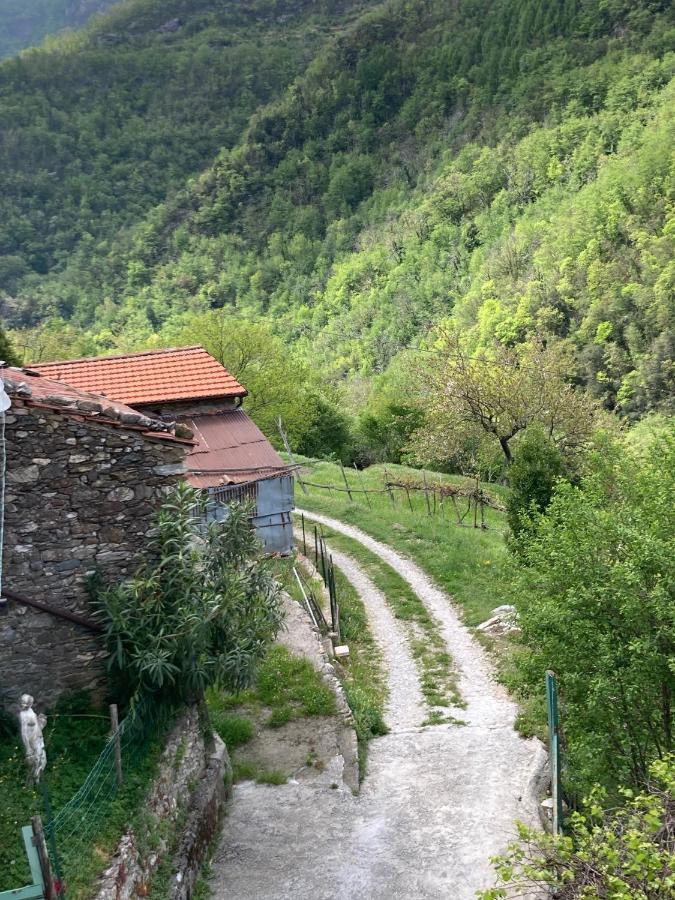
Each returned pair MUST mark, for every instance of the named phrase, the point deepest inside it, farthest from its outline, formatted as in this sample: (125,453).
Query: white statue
(33,741)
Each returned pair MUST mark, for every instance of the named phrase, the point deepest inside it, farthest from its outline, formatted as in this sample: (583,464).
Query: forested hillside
(24,23)
(506,165)
(103,124)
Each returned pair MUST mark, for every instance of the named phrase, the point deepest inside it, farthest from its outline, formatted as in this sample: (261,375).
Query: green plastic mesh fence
(82,833)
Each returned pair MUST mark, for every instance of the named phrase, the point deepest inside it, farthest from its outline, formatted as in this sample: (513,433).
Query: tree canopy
(594,585)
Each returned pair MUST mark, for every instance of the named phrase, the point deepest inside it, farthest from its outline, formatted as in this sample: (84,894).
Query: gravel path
(436,804)
(405,705)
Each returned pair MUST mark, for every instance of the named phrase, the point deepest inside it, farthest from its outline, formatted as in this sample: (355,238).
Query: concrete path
(436,804)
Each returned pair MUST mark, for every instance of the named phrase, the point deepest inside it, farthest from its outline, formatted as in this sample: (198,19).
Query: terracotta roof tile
(155,376)
(25,387)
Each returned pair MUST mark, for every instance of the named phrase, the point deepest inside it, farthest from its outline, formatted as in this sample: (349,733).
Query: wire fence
(466,504)
(82,832)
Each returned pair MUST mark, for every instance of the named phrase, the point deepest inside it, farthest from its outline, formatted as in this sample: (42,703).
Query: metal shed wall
(274,502)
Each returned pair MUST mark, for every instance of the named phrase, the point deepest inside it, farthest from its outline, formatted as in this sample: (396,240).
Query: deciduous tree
(499,392)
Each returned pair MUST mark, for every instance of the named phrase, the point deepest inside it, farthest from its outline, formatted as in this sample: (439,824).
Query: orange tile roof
(27,388)
(155,376)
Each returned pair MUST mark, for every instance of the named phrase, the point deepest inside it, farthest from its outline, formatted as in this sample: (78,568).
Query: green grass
(275,778)
(362,674)
(287,687)
(464,561)
(74,737)
(437,678)
(234,730)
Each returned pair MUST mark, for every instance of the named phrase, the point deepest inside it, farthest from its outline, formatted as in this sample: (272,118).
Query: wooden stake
(45,864)
(360,477)
(115,726)
(409,500)
(344,476)
(388,487)
(426,492)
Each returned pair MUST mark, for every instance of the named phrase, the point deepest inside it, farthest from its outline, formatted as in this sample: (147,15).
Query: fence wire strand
(72,832)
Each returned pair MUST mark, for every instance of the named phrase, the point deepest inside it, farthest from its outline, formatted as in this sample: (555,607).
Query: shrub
(537,466)
(594,584)
(627,854)
(201,611)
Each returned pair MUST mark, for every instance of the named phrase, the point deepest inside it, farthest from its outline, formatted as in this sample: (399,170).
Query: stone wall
(80,495)
(182,815)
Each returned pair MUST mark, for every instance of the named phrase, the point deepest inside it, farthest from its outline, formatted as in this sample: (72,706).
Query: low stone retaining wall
(191,788)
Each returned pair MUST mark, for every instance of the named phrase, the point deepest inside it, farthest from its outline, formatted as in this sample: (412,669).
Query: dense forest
(350,177)
(24,23)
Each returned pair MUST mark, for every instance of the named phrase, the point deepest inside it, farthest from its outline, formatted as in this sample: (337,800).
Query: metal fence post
(554,748)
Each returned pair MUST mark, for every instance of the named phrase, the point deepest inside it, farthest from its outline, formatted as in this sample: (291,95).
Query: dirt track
(437,801)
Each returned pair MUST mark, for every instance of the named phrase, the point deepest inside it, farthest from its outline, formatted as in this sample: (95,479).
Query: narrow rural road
(437,801)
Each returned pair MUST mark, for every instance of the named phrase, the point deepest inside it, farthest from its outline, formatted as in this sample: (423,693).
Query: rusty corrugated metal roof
(230,449)
(155,376)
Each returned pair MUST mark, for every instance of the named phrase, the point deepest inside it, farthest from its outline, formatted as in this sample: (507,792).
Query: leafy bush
(627,854)
(201,611)
(537,465)
(594,584)
(7,352)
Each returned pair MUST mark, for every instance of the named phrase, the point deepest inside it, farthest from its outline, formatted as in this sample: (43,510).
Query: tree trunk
(504,444)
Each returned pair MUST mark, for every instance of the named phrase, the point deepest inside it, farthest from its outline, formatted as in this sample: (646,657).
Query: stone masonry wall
(80,495)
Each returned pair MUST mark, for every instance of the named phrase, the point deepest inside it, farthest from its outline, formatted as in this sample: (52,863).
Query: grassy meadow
(463,560)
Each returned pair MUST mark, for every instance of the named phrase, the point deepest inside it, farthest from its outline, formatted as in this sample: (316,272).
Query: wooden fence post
(115,727)
(45,864)
(363,488)
(426,492)
(388,487)
(344,476)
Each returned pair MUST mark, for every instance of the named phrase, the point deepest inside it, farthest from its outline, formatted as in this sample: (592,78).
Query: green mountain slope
(99,126)
(507,164)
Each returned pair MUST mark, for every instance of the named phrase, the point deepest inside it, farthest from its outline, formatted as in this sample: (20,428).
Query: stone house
(231,458)
(84,479)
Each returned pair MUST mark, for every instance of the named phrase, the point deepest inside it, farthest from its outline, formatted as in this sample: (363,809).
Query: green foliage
(7,351)
(537,466)
(75,735)
(233,729)
(492,396)
(625,854)
(86,152)
(201,611)
(500,163)
(594,584)
(280,384)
